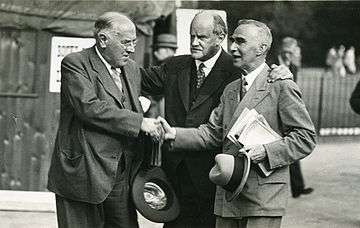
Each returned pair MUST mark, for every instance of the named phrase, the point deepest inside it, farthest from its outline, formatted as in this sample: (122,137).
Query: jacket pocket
(280,176)
(72,157)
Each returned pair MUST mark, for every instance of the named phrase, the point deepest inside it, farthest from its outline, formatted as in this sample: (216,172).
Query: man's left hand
(257,153)
(279,72)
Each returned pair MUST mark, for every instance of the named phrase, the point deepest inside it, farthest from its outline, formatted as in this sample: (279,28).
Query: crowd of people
(99,145)
(341,61)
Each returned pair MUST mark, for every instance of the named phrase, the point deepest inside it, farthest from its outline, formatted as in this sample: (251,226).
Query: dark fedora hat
(165,40)
(151,190)
(154,196)
(231,173)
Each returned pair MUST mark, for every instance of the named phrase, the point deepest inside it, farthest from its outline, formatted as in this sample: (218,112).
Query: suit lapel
(129,80)
(257,92)
(104,76)
(184,83)
(213,81)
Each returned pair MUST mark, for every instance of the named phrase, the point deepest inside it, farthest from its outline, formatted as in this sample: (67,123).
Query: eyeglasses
(126,43)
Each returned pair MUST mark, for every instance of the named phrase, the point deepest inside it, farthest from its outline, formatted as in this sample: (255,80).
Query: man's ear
(262,49)
(103,39)
(221,38)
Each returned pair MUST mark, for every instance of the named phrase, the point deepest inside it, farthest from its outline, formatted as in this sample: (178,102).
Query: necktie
(116,77)
(243,87)
(200,76)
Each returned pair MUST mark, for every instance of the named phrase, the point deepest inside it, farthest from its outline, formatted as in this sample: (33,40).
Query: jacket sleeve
(206,137)
(299,132)
(355,99)
(153,80)
(78,90)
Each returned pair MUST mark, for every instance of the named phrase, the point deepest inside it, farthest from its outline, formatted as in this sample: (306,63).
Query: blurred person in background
(165,46)
(290,56)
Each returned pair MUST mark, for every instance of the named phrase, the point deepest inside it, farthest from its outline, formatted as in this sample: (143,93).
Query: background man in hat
(262,202)
(289,55)
(99,145)
(192,86)
(164,47)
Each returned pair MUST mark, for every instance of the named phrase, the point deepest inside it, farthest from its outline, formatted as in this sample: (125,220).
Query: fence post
(319,116)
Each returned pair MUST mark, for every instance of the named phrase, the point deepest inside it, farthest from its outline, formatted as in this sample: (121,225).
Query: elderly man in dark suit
(263,200)
(98,145)
(192,86)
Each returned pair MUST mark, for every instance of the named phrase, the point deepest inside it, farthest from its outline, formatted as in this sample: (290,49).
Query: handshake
(158,129)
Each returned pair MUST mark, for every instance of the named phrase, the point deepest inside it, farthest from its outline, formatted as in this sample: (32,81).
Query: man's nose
(195,41)
(130,48)
(233,47)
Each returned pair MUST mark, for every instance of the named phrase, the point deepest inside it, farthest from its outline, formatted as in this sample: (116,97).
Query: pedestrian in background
(290,56)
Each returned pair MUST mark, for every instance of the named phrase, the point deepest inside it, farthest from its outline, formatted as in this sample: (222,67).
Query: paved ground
(333,170)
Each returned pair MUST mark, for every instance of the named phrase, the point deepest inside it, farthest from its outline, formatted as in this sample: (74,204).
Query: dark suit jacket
(95,130)
(355,99)
(172,79)
(281,105)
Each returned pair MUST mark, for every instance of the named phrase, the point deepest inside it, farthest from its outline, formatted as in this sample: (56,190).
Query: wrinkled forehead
(246,31)
(202,25)
(123,26)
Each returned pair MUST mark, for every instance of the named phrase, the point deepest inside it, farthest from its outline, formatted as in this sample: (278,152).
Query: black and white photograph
(179,114)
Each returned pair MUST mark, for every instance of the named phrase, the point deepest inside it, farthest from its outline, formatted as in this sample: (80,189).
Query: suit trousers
(249,222)
(117,210)
(296,178)
(196,209)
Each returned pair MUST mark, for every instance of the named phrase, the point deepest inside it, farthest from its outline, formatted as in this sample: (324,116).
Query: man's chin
(196,55)
(238,64)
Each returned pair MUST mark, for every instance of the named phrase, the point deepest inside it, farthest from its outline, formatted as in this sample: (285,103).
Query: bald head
(112,21)
(211,20)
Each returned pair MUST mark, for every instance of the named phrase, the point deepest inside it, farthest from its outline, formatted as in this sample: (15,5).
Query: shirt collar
(250,77)
(209,64)
(108,66)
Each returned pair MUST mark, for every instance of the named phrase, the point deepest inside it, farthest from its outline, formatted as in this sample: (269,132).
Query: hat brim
(157,176)
(173,46)
(230,196)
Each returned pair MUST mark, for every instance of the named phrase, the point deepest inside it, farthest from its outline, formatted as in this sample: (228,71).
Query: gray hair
(107,20)
(264,31)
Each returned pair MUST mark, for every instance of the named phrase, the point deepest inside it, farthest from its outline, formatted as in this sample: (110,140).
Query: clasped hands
(158,129)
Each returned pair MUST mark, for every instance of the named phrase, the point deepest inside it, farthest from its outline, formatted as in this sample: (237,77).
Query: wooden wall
(28,112)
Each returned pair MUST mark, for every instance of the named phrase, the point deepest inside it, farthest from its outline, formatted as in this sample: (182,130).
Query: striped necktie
(116,77)
(243,87)
(200,76)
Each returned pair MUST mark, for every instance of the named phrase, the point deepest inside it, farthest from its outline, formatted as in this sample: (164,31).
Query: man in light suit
(263,200)
(98,146)
(192,86)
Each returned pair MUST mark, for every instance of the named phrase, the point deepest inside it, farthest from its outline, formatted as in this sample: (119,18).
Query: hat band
(235,177)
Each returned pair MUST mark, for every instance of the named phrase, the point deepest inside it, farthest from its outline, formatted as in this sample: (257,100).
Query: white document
(251,128)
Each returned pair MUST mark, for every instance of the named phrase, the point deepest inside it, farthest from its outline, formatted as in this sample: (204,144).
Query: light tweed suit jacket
(281,104)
